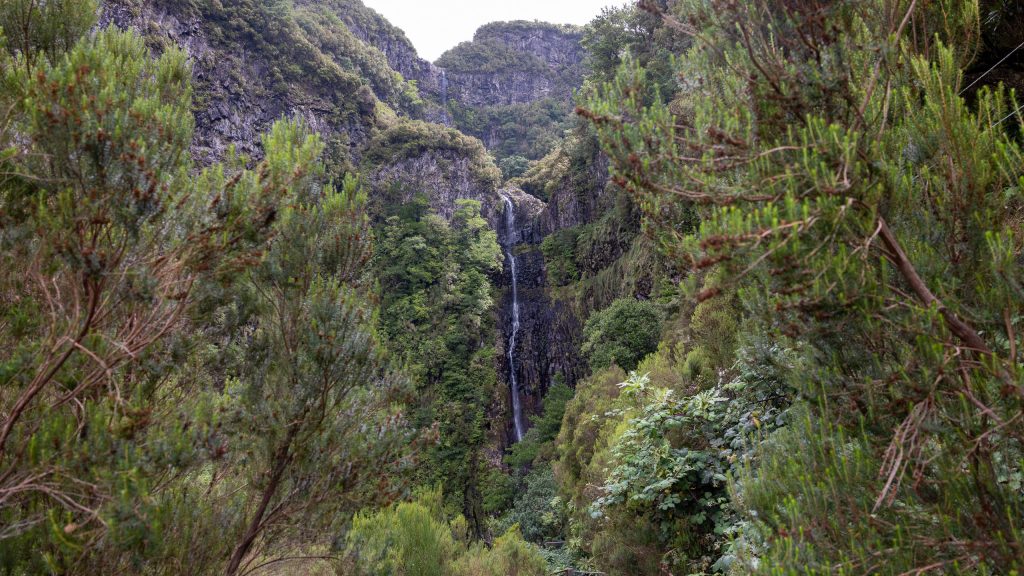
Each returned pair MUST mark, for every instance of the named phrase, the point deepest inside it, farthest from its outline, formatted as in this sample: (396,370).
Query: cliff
(357,81)
(515,63)
(414,158)
(253,65)
(512,85)
(374,30)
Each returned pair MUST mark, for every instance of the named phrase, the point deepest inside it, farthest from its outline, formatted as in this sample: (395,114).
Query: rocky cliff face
(574,179)
(556,46)
(374,30)
(515,63)
(343,69)
(578,251)
(443,176)
(512,85)
(549,332)
(240,87)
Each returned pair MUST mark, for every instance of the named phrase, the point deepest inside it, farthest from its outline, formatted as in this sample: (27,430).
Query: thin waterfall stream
(510,230)
(445,118)
(444,89)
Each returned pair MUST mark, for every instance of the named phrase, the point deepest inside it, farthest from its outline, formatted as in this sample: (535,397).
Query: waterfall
(510,230)
(443,85)
(444,89)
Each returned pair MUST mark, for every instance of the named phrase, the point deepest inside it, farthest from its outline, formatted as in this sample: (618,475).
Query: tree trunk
(281,458)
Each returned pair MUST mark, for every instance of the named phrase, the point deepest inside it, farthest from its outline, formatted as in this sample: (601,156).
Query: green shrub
(411,539)
(622,334)
(497,491)
(404,539)
(550,419)
(538,510)
(513,166)
(559,251)
(510,556)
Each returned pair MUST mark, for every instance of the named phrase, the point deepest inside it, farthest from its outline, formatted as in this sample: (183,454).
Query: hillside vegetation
(752,272)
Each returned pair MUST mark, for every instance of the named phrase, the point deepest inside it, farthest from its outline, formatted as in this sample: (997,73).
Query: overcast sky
(437,25)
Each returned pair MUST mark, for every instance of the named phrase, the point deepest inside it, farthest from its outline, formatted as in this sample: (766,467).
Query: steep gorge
(278,296)
(356,94)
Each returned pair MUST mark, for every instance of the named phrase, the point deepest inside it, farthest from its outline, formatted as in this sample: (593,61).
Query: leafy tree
(47,29)
(513,166)
(498,491)
(622,334)
(630,33)
(866,212)
(108,242)
(319,405)
(166,407)
(437,296)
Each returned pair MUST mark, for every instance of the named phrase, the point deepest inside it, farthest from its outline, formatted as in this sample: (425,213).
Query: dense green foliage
(787,244)
(490,56)
(414,538)
(191,391)
(530,130)
(639,36)
(436,314)
(840,191)
(408,139)
(622,334)
(513,166)
(307,44)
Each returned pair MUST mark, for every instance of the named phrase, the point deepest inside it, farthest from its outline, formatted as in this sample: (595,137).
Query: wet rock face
(512,86)
(503,89)
(575,200)
(557,46)
(527,210)
(550,332)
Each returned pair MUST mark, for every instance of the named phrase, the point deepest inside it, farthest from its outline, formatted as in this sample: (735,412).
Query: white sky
(434,26)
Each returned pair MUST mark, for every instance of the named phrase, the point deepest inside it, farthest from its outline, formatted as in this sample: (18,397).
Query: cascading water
(444,89)
(445,119)
(510,230)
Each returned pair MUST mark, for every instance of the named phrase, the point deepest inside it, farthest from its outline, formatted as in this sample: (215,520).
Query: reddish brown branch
(895,254)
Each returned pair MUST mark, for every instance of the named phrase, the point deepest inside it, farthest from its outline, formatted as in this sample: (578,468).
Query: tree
(164,403)
(48,29)
(318,414)
(629,33)
(108,242)
(622,333)
(864,210)
(437,297)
